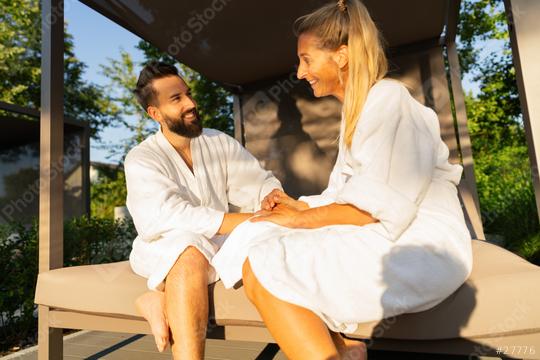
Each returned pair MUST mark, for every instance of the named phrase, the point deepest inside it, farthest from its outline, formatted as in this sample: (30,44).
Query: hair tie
(341,5)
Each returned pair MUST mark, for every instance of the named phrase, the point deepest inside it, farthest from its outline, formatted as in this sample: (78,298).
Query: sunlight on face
(177,107)
(317,66)
(173,95)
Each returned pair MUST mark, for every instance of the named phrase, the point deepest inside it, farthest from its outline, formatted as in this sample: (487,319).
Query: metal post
(468,189)
(51,164)
(470,198)
(524,29)
(238,119)
(85,163)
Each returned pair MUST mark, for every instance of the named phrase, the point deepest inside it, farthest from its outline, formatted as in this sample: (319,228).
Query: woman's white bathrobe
(413,258)
(173,208)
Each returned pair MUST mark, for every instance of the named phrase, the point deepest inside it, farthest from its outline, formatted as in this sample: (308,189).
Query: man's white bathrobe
(174,208)
(413,258)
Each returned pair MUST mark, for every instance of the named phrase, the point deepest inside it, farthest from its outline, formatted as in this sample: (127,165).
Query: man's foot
(353,350)
(349,349)
(151,305)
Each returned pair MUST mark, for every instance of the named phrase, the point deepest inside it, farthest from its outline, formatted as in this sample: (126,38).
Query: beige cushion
(107,288)
(500,297)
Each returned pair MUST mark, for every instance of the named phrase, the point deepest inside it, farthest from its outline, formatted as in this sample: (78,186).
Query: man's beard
(183,127)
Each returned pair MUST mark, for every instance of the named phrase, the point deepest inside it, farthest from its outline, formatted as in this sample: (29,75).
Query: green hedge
(506,193)
(86,241)
(507,199)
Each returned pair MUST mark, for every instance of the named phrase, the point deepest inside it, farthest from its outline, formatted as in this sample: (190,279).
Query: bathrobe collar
(195,176)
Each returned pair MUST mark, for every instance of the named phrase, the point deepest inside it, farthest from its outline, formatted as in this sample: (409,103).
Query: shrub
(86,241)
(507,198)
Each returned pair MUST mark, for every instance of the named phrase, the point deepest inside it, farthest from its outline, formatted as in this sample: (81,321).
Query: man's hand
(232,220)
(277,196)
(281,214)
(317,217)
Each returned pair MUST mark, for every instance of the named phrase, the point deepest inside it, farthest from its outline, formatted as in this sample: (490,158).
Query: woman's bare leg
(299,332)
(151,305)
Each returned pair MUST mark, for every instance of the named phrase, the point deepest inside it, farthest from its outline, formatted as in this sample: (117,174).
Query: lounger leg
(50,343)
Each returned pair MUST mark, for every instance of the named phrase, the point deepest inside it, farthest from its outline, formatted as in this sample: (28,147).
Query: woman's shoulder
(386,95)
(388,87)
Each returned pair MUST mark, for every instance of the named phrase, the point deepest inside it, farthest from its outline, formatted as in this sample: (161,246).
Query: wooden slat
(88,321)
(102,322)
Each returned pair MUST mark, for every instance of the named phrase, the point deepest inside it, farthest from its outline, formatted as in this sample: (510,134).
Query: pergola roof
(238,42)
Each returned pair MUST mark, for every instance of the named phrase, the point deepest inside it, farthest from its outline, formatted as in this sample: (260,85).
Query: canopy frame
(52,119)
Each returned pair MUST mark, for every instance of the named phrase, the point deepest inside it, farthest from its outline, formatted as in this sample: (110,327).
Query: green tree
(495,113)
(122,80)
(479,20)
(86,241)
(20,68)
(502,166)
(108,192)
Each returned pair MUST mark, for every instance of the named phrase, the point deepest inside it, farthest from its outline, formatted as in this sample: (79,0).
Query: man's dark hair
(145,92)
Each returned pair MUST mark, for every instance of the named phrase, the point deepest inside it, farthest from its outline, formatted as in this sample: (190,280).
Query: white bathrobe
(413,258)
(174,208)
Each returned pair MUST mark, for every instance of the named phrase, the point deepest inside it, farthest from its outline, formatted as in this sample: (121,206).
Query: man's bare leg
(151,305)
(186,304)
(349,349)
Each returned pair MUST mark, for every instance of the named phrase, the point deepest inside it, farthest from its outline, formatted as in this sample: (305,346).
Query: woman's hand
(280,214)
(277,196)
(317,217)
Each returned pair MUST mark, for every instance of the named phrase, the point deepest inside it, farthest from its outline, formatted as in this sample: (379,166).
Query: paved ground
(93,345)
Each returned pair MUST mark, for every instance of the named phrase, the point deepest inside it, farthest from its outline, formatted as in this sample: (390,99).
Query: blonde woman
(386,237)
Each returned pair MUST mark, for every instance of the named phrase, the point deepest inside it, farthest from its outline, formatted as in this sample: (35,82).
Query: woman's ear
(342,56)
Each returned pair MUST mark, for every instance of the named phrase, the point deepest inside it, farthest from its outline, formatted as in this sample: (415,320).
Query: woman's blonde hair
(349,23)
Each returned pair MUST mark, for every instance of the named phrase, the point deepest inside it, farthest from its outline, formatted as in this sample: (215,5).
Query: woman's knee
(250,282)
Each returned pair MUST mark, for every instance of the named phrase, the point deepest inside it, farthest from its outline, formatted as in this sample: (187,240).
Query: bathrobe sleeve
(393,157)
(247,182)
(159,205)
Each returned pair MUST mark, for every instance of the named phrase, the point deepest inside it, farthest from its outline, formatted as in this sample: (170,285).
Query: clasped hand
(281,209)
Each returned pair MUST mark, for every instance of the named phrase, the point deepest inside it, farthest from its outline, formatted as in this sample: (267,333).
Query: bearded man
(180,182)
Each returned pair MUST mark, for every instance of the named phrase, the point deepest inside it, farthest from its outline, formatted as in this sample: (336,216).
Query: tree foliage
(86,241)
(502,166)
(108,192)
(479,21)
(20,68)
(495,112)
(122,77)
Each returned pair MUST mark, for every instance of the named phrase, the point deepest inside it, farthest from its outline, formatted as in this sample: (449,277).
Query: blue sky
(97,38)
